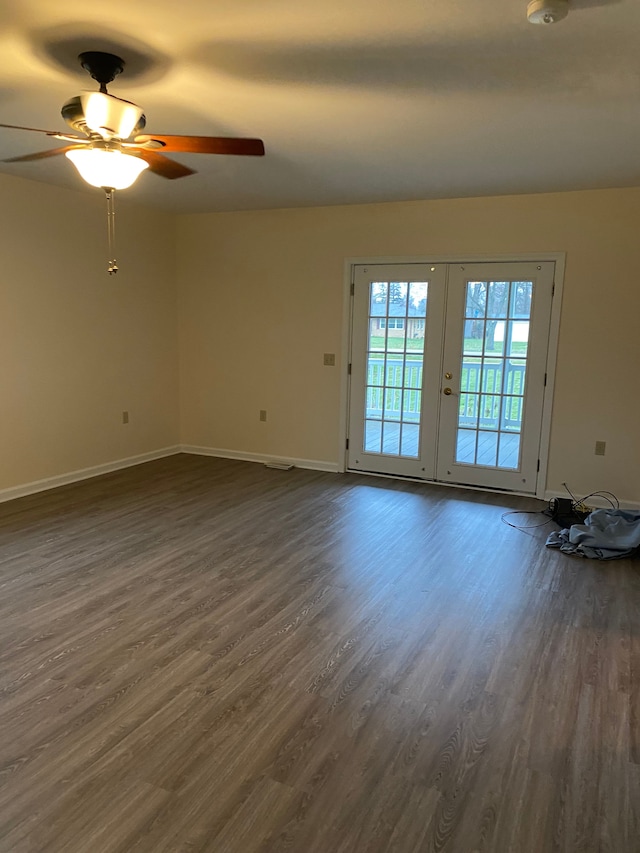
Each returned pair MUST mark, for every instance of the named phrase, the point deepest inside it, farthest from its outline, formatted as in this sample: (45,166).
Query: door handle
(447,391)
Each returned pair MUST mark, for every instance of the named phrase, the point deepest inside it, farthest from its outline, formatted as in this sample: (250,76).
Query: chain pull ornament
(112,266)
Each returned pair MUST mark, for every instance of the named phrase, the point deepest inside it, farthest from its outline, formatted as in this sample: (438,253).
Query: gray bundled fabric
(607,534)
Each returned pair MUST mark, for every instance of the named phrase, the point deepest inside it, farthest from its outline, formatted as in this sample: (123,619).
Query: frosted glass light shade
(109,116)
(106,168)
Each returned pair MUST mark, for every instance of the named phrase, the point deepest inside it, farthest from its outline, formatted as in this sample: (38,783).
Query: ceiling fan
(113,152)
(552,11)
(112,130)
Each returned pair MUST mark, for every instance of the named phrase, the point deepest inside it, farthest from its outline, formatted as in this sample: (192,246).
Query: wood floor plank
(204,655)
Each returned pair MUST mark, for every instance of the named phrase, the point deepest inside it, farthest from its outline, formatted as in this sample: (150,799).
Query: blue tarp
(607,534)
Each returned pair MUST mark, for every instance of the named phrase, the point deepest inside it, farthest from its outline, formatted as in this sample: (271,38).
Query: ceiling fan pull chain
(112,267)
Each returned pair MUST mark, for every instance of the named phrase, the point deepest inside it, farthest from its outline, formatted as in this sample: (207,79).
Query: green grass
(474,345)
(471,345)
(394,343)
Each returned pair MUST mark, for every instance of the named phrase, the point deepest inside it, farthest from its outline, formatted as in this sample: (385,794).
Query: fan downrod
(103,67)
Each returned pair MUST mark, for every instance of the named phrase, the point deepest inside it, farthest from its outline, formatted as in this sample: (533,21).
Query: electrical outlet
(329,359)
(600,448)
(125,417)
(263,414)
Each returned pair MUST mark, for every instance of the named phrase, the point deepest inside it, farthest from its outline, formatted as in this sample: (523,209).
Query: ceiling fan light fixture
(107,168)
(547,11)
(110,116)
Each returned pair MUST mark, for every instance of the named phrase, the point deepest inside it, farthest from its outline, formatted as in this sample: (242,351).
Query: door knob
(448,376)
(447,391)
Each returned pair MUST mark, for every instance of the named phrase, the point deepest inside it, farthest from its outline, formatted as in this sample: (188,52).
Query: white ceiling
(356,100)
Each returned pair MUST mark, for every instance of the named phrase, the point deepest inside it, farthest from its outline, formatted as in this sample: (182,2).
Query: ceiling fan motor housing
(547,11)
(73,113)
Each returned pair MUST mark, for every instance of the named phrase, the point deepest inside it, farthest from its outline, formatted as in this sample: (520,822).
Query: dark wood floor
(205,655)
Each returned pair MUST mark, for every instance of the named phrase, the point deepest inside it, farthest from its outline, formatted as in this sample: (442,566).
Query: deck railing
(488,398)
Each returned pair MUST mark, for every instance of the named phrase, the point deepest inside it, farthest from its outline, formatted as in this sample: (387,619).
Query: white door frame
(554,331)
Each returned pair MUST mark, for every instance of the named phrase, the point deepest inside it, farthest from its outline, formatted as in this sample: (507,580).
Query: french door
(448,371)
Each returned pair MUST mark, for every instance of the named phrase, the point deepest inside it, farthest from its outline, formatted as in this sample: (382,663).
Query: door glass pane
(520,305)
(509,451)
(470,379)
(392,397)
(469,405)
(395,372)
(395,353)
(511,414)
(515,371)
(466,446)
(398,291)
(489,411)
(498,299)
(396,333)
(411,407)
(373,436)
(410,437)
(374,403)
(377,334)
(413,371)
(476,301)
(519,337)
(473,336)
(493,375)
(494,337)
(378,296)
(391,438)
(487,452)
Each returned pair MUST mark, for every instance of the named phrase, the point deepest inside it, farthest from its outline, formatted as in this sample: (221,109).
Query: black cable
(504,515)
(576,502)
(571,495)
(602,494)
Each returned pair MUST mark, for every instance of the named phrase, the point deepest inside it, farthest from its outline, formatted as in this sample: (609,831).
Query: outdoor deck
(494,449)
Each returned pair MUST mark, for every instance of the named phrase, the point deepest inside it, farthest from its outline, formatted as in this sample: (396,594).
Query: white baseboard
(596,502)
(84,474)
(241,456)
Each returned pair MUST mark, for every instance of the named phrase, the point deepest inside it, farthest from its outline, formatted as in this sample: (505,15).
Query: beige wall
(77,347)
(261,299)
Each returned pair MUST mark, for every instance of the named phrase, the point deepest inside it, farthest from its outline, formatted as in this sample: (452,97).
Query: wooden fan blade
(163,166)
(41,155)
(32,129)
(66,137)
(205,144)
